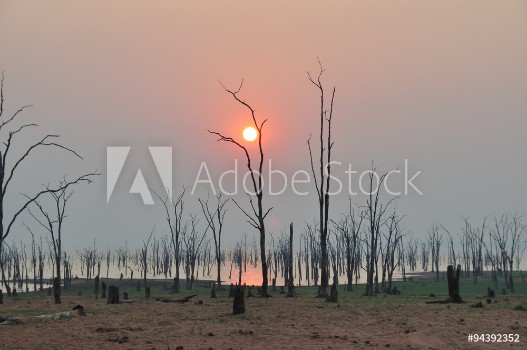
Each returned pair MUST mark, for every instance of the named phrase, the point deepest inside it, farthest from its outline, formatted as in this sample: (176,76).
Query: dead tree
(53,223)
(322,182)
(237,259)
(393,239)
(348,230)
(434,241)
(507,232)
(257,218)
(193,240)
(174,217)
(451,251)
(411,254)
(375,215)
(290,284)
(144,256)
(215,218)
(9,164)
(453,284)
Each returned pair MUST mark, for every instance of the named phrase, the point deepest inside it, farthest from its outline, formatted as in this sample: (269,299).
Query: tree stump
(213,291)
(333,294)
(14,293)
(491,293)
(96,289)
(231,291)
(1,297)
(125,296)
(56,290)
(453,284)
(238,303)
(147,292)
(113,295)
(273,284)
(103,296)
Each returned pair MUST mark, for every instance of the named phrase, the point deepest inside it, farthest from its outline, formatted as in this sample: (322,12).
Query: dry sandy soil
(396,322)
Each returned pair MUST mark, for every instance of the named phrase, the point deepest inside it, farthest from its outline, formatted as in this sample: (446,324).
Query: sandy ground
(398,322)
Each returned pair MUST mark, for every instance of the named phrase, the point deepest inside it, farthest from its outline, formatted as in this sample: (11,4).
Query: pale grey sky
(440,83)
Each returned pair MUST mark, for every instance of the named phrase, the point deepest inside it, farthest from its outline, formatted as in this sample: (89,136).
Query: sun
(250,133)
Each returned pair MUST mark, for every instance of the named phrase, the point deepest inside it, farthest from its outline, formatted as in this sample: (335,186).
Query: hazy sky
(440,83)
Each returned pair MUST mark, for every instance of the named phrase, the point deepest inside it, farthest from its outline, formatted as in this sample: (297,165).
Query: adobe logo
(115,159)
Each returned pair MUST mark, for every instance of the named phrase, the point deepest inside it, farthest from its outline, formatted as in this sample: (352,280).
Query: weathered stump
(231,291)
(213,291)
(491,293)
(453,284)
(238,303)
(14,293)
(56,290)
(333,294)
(96,289)
(125,296)
(103,296)
(147,292)
(113,295)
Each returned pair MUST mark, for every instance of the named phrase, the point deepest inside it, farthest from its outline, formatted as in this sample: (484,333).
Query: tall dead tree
(53,220)
(507,232)
(434,241)
(215,218)
(375,215)
(393,239)
(10,163)
(348,229)
(257,218)
(322,181)
(144,257)
(174,216)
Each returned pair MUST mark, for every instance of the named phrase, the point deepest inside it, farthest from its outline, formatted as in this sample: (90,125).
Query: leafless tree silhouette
(257,218)
(215,218)
(322,183)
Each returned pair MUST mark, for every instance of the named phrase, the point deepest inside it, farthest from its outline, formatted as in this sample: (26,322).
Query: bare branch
(84,178)
(42,142)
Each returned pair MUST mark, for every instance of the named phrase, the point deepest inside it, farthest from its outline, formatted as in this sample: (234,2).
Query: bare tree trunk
(453,284)
(238,303)
(113,295)
(291,285)
(56,290)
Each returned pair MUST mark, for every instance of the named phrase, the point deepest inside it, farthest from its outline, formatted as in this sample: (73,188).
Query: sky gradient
(440,83)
